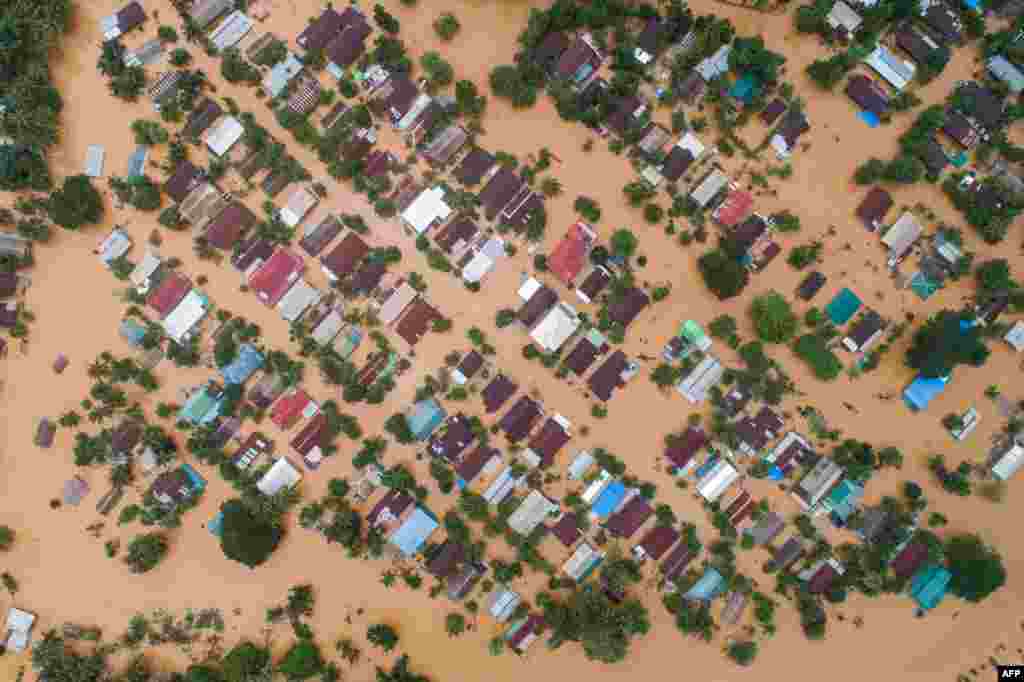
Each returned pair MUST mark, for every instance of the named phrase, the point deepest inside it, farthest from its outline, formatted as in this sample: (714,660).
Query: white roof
(484,260)
(902,234)
(281,75)
(186,315)
(528,288)
(224,135)
(783,445)
(426,210)
(692,144)
(780,145)
(145,269)
(280,476)
(503,604)
(1008,463)
(19,625)
(1015,337)
(652,175)
(897,72)
(94,156)
(717,481)
(328,328)
(1006,71)
(419,105)
(231,30)
(397,302)
(709,187)
(556,327)
(695,386)
(531,513)
(299,204)
(110,27)
(299,298)
(581,561)
(843,15)
(716,65)
(500,487)
(596,487)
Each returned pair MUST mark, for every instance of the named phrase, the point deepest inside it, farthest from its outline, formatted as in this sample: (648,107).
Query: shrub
(447,26)
(146,551)
(813,350)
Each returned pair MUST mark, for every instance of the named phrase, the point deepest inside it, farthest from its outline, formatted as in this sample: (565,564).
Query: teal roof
(929,586)
(201,407)
(842,499)
(426,416)
(841,308)
(710,585)
(132,332)
(413,533)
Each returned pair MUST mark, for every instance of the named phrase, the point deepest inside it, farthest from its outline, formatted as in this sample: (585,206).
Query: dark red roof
(471,464)
(910,559)
(343,258)
(186,177)
(658,540)
(319,31)
(498,392)
(582,357)
(345,48)
(311,435)
(8,284)
(567,529)
(368,276)
(578,54)
(251,252)
(500,191)
(460,229)
(772,111)
(682,449)
(875,206)
(677,561)
(226,229)
(608,376)
(551,438)
(452,438)
(471,364)
(568,258)
(595,282)
(676,163)
(416,321)
(446,559)
(474,166)
(822,579)
(540,303)
(377,163)
(626,309)
(168,295)
(628,520)
(520,418)
(395,501)
(275,277)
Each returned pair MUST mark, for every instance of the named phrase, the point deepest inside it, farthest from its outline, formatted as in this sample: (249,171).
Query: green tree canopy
(245,537)
(75,203)
(302,661)
(603,627)
(773,318)
(977,569)
(946,340)
(723,274)
(146,551)
(245,661)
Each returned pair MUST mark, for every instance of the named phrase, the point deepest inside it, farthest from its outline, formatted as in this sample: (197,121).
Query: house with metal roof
(142,275)
(897,72)
(186,316)
(165,88)
(817,483)
(502,603)
(681,450)
(716,65)
(709,188)
(299,204)
(570,255)
(205,12)
(300,297)
(481,259)
(556,328)
(628,519)
(767,529)
(609,500)
(695,386)
(114,246)
(548,441)
(224,135)
(328,327)
(1006,71)
(497,393)
(245,364)
(231,31)
(843,17)
(1015,336)
(414,531)
(531,513)
(203,405)
(716,481)
(902,235)
(425,417)
(281,74)
(1008,459)
(582,562)
(922,390)
(427,210)
(709,586)
(467,368)
(272,280)
(929,586)
(281,475)
(292,406)
(132,332)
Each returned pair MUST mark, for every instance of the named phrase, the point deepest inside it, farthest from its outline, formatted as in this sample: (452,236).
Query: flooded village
(583,336)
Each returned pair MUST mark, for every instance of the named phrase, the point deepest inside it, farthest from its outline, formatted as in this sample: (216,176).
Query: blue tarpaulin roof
(708,587)
(841,308)
(609,499)
(869,117)
(244,366)
(922,391)
(411,535)
(929,586)
(427,415)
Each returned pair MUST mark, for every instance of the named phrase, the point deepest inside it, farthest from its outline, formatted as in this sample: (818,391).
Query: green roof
(692,332)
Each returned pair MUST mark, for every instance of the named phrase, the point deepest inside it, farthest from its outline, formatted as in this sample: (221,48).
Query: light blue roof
(609,499)
(137,161)
(244,366)
(201,407)
(132,332)
(427,415)
(929,586)
(708,587)
(922,391)
(412,534)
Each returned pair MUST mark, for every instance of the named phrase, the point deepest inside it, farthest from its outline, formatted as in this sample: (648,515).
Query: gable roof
(474,166)
(874,207)
(585,352)
(186,177)
(579,61)
(594,284)
(736,206)
(275,277)
(446,144)
(659,540)
(542,300)
(201,118)
(168,295)
(549,439)
(500,191)
(228,227)
(417,319)
(549,49)
(867,94)
(520,418)
(348,46)
(287,409)
(470,364)
(568,258)
(681,450)
(608,376)
(627,521)
(343,258)
(628,306)
(452,438)
(897,72)
(319,31)
(811,285)
(677,561)
(919,46)
(497,392)
(676,163)
(445,559)
(315,240)
(471,464)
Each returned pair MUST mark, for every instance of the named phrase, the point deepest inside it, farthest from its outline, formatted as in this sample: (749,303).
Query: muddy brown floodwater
(65,575)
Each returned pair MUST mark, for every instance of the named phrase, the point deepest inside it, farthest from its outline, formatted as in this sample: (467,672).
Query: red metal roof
(311,435)
(736,207)
(569,257)
(287,410)
(169,294)
(274,278)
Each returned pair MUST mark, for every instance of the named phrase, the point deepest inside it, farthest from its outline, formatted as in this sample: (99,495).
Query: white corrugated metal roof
(280,476)
(231,30)
(902,234)
(558,325)
(397,303)
(186,315)
(531,513)
(94,156)
(717,481)
(1015,337)
(224,135)
(299,298)
(428,209)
